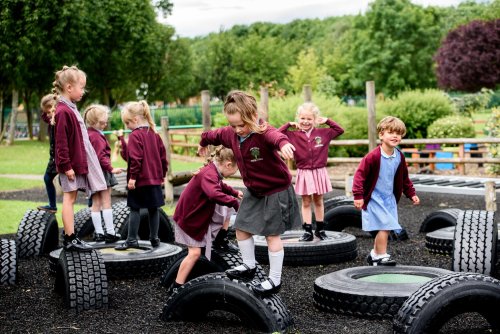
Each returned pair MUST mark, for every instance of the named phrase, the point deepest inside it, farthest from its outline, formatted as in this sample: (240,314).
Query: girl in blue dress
(379,181)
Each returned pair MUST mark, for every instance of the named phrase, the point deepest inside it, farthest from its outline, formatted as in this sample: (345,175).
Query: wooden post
(461,154)
(205,109)
(372,122)
(264,104)
(348,185)
(307,93)
(490,196)
(169,188)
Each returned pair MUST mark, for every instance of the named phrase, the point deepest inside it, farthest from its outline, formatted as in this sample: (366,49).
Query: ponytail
(147,115)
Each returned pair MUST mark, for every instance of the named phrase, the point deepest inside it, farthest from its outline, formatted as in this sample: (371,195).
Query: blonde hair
(47,101)
(391,124)
(310,107)
(140,109)
(94,113)
(67,75)
(219,155)
(246,105)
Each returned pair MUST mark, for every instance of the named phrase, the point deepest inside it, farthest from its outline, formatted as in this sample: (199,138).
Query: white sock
(275,268)
(107,214)
(378,256)
(96,220)
(247,249)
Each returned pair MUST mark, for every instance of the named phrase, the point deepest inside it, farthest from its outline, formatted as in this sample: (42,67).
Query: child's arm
(283,129)
(135,156)
(213,189)
(358,183)
(62,131)
(163,156)
(214,137)
(408,188)
(121,138)
(280,141)
(335,129)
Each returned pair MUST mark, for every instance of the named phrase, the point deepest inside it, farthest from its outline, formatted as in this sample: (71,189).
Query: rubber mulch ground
(135,305)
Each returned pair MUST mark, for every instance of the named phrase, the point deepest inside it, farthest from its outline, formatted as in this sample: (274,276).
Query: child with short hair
(47,103)
(379,181)
(76,160)
(147,166)
(311,154)
(195,210)
(269,206)
(96,119)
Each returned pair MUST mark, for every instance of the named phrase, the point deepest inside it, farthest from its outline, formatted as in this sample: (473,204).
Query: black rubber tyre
(440,241)
(220,262)
(132,263)
(333,202)
(439,300)
(37,234)
(440,219)
(340,247)
(346,292)
(8,262)
(81,279)
(198,297)
(83,223)
(475,242)
(341,217)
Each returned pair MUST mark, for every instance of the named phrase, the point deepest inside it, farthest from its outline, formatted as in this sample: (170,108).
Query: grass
(480,120)
(18,184)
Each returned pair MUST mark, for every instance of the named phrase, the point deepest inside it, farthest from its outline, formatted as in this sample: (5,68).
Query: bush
(452,127)
(418,109)
(468,104)
(492,129)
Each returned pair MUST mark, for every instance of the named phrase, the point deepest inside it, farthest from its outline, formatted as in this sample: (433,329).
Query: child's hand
(287,151)
(70,174)
(240,194)
(294,125)
(358,203)
(321,120)
(117,170)
(118,133)
(202,151)
(415,200)
(131,184)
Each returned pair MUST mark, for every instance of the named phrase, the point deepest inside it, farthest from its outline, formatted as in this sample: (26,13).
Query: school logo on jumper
(255,152)
(318,141)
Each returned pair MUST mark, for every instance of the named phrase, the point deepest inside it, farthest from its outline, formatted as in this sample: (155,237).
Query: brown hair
(246,105)
(139,108)
(94,113)
(67,75)
(219,154)
(391,124)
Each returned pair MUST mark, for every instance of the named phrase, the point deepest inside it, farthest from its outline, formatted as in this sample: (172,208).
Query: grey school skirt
(268,215)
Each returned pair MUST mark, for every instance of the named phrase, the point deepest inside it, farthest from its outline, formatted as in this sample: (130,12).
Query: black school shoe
(225,245)
(110,238)
(321,234)
(385,261)
(73,243)
(308,234)
(98,237)
(128,244)
(47,208)
(261,291)
(155,242)
(242,275)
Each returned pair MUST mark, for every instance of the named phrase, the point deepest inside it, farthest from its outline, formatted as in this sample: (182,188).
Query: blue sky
(192,18)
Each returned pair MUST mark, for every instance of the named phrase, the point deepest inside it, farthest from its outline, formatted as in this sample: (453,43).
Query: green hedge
(452,127)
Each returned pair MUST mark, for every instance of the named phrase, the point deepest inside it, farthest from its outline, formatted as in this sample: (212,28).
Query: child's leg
(221,242)
(378,255)
(307,216)
(245,271)
(154,223)
(187,264)
(96,216)
(133,231)
(276,255)
(51,192)
(68,215)
(319,213)
(107,214)
(380,243)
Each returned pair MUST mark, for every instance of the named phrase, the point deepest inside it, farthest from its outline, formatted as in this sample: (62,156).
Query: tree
(307,70)
(468,58)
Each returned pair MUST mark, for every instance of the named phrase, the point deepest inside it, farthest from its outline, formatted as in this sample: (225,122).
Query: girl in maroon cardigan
(96,119)
(379,181)
(146,169)
(311,153)
(269,205)
(196,207)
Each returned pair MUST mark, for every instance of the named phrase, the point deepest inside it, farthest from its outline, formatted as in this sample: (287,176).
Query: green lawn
(480,120)
(17,184)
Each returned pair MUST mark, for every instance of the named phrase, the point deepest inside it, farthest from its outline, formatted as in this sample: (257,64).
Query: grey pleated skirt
(268,215)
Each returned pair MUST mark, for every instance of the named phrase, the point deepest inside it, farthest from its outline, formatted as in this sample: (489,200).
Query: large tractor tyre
(132,263)
(8,262)
(372,292)
(341,247)
(83,223)
(440,219)
(81,279)
(37,234)
(429,308)
(440,241)
(475,242)
(341,217)
(219,262)
(194,300)
(165,229)
(333,202)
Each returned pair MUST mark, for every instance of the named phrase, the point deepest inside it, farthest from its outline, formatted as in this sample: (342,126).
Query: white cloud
(200,17)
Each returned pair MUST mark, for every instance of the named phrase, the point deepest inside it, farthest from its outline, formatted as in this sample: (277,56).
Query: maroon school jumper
(312,152)
(101,147)
(366,176)
(262,169)
(196,206)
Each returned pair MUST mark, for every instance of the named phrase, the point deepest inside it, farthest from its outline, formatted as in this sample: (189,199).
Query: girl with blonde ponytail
(146,170)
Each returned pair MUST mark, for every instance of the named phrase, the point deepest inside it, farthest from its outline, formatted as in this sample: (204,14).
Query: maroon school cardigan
(312,152)
(196,205)
(101,147)
(261,168)
(366,177)
(70,149)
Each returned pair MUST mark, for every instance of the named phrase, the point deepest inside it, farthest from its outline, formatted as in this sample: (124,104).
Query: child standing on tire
(195,211)
(311,153)
(379,181)
(269,205)
(146,169)
(96,119)
(47,104)
(76,160)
